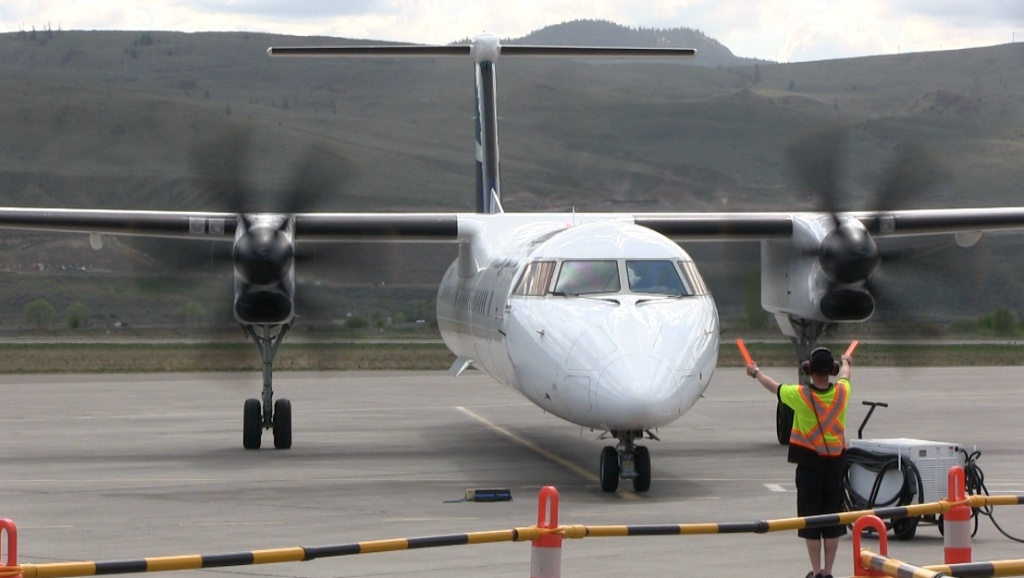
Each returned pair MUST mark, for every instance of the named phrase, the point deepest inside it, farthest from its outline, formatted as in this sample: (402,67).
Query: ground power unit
(900,471)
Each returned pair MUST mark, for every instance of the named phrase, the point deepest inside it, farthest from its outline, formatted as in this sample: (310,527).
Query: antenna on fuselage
(485,50)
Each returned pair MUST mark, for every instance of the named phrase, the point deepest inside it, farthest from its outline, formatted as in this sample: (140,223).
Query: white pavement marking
(586,475)
(219,524)
(776,488)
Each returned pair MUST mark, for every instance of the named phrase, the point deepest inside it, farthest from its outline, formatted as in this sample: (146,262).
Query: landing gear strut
(804,334)
(627,461)
(276,416)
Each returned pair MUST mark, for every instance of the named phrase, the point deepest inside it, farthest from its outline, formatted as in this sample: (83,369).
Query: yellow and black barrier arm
(896,568)
(991,569)
(294,554)
(786,524)
(524,534)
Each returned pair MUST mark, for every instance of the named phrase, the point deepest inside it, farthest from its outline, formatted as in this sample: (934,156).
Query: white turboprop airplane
(600,319)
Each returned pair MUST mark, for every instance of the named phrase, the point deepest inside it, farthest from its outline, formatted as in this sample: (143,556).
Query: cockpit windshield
(584,277)
(591,276)
(659,277)
(536,278)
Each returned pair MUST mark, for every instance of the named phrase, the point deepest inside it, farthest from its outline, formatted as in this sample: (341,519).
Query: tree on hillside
(39,312)
(77,314)
(194,314)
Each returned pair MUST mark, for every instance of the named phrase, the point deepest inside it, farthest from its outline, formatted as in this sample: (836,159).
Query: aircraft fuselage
(616,352)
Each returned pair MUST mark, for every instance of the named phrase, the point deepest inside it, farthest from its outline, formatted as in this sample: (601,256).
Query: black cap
(822,361)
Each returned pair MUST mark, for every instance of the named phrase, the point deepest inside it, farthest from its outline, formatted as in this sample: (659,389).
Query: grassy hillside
(109,119)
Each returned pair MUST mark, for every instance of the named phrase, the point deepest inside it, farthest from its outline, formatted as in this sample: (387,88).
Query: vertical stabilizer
(485,50)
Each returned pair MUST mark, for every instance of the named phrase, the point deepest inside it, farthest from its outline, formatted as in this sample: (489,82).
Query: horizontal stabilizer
(390,51)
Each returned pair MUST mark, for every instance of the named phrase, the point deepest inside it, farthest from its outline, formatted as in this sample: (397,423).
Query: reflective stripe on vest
(828,423)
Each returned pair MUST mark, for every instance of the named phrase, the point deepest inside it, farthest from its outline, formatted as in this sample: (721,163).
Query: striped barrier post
(11,559)
(956,524)
(546,553)
(863,523)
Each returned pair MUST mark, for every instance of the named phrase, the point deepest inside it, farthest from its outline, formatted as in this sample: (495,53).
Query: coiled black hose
(975,485)
(880,464)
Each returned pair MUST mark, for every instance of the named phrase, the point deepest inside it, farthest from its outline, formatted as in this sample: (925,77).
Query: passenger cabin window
(659,277)
(582,277)
(536,278)
(692,278)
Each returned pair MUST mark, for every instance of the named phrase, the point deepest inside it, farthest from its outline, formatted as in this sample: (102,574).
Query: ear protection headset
(805,366)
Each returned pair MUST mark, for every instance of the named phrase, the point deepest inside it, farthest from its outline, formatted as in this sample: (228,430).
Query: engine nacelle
(264,270)
(794,282)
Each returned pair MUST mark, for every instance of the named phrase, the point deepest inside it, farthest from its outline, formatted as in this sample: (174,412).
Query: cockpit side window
(536,279)
(583,277)
(660,277)
(692,278)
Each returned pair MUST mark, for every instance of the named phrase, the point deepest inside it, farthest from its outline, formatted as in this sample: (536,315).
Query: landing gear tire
(282,424)
(609,469)
(783,423)
(252,424)
(905,528)
(642,462)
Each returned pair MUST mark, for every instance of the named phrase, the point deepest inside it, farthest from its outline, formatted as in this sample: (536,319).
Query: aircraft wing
(213,226)
(779,225)
(444,227)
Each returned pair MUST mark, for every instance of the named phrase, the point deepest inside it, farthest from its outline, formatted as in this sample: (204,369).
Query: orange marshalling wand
(744,352)
(853,346)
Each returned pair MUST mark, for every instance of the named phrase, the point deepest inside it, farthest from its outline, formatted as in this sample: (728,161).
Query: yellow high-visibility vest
(819,421)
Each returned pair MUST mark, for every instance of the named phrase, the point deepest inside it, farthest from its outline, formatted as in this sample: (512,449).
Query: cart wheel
(905,528)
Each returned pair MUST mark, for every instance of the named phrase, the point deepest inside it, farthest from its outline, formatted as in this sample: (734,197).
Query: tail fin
(485,50)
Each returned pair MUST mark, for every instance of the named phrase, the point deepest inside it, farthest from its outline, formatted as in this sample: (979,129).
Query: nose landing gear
(627,461)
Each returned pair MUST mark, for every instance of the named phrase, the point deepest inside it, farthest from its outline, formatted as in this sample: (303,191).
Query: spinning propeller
(848,254)
(263,255)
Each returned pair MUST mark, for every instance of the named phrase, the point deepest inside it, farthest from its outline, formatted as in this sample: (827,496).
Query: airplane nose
(636,391)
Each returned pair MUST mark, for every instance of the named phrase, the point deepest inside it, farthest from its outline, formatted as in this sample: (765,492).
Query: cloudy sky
(783,30)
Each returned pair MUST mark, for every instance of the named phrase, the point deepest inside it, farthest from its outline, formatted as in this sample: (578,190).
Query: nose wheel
(626,461)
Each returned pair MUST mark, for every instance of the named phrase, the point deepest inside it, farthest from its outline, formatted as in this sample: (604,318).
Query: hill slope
(108,119)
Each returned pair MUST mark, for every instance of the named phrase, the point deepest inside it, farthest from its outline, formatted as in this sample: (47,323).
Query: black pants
(819,490)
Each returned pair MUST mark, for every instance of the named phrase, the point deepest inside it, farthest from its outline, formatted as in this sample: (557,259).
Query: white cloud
(823,36)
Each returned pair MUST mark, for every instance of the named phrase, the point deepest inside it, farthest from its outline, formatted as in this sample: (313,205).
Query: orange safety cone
(546,553)
(11,559)
(863,523)
(956,524)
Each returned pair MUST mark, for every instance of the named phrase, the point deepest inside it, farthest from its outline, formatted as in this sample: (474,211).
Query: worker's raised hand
(752,369)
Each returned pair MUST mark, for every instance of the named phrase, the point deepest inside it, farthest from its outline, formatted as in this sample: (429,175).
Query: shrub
(77,314)
(39,312)
(194,313)
(357,322)
(1003,322)
(964,326)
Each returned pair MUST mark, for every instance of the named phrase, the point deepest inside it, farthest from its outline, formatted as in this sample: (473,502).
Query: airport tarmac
(103,467)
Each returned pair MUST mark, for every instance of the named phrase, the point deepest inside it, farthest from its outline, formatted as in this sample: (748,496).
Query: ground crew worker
(817,445)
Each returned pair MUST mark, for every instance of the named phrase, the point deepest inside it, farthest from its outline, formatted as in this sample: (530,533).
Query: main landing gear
(272,415)
(627,461)
(804,334)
